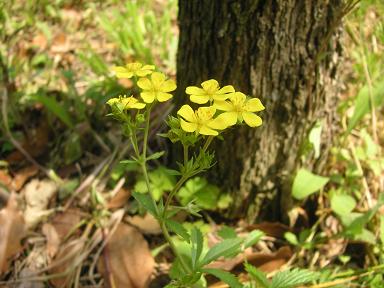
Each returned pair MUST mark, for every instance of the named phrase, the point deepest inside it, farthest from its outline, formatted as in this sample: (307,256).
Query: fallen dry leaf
(147,224)
(12,230)
(66,261)
(274,229)
(22,176)
(271,261)
(5,179)
(66,222)
(129,258)
(120,199)
(37,196)
(53,239)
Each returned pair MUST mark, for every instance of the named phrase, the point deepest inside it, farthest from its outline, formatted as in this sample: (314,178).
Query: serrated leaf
(146,201)
(253,238)
(177,228)
(156,155)
(257,275)
(197,246)
(307,183)
(225,276)
(223,249)
(342,204)
(293,278)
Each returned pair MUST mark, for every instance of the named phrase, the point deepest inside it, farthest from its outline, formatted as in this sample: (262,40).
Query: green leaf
(342,204)
(223,249)
(156,155)
(146,201)
(363,105)
(227,232)
(291,238)
(224,276)
(253,238)
(205,194)
(257,275)
(177,228)
(382,229)
(57,109)
(197,246)
(293,278)
(307,183)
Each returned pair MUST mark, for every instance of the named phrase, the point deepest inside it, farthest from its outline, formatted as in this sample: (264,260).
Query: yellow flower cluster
(231,108)
(155,88)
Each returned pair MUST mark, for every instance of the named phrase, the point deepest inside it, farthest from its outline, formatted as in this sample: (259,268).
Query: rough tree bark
(285,52)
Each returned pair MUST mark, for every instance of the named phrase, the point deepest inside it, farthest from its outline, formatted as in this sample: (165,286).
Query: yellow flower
(157,88)
(200,121)
(124,103)
(133,69)
(240,108)
(210,92)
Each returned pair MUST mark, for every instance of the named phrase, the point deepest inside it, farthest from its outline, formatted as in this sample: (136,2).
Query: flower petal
(122,72)
(157,78)
(219,123)
(187,126)
(223,106)
(187,113)
(254,105)
(220,97)
(138,106)
(210,85)
(148,97)
(205,130)
(237,97)
(144,83)
(193,90)
(206,113)
(162,96)
(168,86)
(148,67)
(199,99)
(252,119)
(142,73)
(229,118)
(226,89)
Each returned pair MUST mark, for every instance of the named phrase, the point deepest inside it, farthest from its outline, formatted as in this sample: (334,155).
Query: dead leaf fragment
(147,224)
(53,240)
(66,261)
(66,222)
(22,176)
(37,196)
(129,258)
(120,199)
(12,230)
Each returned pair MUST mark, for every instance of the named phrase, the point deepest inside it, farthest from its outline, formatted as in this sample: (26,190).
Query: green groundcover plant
(194,129)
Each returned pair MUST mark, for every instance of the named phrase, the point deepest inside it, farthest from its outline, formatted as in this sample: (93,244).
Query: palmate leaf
(223,249)
(257,275)
(293,278)
(225,276)
(197,245)
(177,228)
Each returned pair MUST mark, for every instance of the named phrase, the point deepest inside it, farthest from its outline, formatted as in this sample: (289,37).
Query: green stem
(173,192)
(207,143)
(185,150)
(160,217)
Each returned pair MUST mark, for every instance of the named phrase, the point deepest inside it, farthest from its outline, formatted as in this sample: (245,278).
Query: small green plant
(195,131)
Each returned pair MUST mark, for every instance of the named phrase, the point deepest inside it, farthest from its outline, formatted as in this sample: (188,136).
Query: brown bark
(286,53)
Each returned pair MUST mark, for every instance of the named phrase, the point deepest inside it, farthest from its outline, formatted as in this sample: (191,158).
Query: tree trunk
(286,53)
